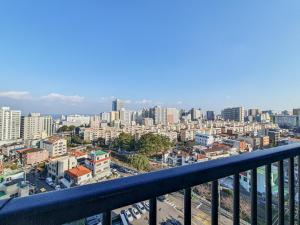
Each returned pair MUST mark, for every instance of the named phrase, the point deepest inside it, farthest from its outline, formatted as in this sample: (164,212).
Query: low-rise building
(204,139)
(99,162)
(32,156)
(79,175)
(56,167)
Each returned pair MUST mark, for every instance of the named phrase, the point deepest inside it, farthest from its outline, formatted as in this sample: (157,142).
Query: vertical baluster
(268,195)
(254,197)
(298,190)
(280,193)
(236,199)
(292,191)
(107,218)
(153,211)
(187,206)
(215,202)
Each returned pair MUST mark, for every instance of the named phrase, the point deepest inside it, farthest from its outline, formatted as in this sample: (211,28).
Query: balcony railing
(73,204)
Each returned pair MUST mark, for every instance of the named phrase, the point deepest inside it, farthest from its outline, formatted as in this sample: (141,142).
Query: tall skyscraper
(10,124)
(125,116)
(234,114)
(160,115)
(196,114)
(296,112)
(35,126)
(172,115)
(210,115)
(117,105)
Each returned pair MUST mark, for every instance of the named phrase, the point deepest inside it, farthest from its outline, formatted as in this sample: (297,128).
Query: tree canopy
(66,128)
(125,141)
(140,162)
(153,144)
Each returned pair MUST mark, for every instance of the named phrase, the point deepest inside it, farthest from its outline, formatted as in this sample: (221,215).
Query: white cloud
(16,95)
(64,98)
(179,103)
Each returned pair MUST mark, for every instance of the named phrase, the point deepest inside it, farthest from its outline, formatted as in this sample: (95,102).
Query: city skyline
(167,53)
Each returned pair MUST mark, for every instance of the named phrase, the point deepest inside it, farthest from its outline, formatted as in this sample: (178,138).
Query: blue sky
(75,56)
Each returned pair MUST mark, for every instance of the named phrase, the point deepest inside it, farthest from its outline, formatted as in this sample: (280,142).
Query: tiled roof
(78,171)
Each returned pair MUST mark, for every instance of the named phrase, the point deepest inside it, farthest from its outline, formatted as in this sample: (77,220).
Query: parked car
(147,206)
(128,215)
(140,208)
(162,198)
(57,187)
(135,213)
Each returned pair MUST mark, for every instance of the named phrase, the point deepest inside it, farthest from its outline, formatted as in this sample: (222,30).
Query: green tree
(140,162)
(63,129)
(125,141)
(153,144)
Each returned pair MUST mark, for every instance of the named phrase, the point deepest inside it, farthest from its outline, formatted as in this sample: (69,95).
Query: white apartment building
(55,145)
(57,166)
(125,117)
(10,124)
(35,126)
(77,120)
(160,115)
(204,139)
(106,116)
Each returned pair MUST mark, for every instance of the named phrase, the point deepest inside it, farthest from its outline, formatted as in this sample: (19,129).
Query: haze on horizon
(74,57)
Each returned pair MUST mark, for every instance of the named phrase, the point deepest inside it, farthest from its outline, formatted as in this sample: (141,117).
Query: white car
(135,213)
(140,208)
(128,215)
(57,187)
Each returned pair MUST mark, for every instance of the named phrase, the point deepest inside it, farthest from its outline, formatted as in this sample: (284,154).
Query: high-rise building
(254,112)
(172,115)
(274,136)
(160,115)
(125,116)
(210,115)
(234,114)
(106,116)
(114,115)
(196,114)
(296,112)
(35,126)
(10,124)
(117,105)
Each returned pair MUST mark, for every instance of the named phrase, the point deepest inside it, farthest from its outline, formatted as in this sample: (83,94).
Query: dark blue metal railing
(72,204)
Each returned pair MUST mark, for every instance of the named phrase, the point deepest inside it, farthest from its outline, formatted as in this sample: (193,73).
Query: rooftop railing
(80,202)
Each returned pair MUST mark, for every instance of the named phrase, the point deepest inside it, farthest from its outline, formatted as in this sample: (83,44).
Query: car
(162,198)
(57,187)
(147,206)
(135,213)
(140,208)
(128,215)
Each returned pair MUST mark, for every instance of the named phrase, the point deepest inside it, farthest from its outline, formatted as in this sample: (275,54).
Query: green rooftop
(100,152)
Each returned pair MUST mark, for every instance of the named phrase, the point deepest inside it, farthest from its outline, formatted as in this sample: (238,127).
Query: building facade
(234,114)
(10,124)
(55,145)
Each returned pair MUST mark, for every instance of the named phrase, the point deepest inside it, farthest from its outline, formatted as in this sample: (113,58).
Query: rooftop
(29,150)
(100,152)
(53,139)
(78,171)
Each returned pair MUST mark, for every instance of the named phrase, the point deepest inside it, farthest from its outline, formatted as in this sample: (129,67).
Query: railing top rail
(79,202)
